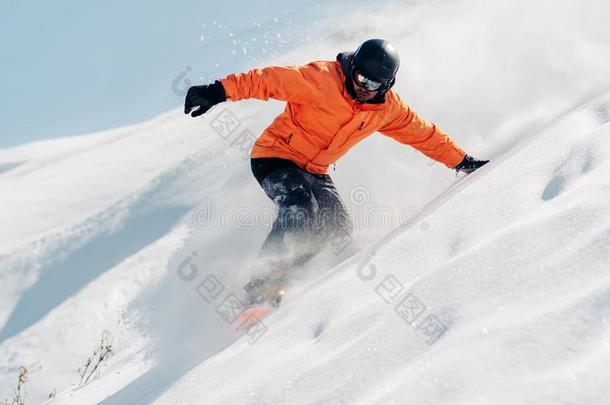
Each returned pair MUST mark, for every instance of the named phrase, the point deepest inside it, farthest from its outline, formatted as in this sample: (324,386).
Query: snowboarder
(331,106)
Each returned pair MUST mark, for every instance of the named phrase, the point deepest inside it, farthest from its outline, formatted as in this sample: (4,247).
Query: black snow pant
(311,214)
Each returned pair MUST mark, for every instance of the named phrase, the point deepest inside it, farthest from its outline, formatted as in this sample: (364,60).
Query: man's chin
(362,99)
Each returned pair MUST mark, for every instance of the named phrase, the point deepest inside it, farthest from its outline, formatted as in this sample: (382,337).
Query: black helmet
(378,60)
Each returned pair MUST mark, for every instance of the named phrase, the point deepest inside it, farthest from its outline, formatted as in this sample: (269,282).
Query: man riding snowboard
(331,106)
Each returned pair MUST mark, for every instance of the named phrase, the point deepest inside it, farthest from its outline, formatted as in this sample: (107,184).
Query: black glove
(203,97)
(469,164)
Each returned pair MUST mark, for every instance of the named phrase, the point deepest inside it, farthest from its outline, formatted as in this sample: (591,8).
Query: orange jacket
(321,122)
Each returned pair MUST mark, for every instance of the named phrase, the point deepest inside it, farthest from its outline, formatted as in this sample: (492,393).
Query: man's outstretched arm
(291,83)
(409,128)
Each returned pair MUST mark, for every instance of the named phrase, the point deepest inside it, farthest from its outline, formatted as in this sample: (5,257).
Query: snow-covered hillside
(503,297)
(487,288)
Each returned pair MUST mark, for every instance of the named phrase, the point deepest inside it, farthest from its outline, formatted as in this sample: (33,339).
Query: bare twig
(102,352)
(19,393)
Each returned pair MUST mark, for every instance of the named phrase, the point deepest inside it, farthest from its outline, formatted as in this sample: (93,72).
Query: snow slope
(513,263)
(113,233)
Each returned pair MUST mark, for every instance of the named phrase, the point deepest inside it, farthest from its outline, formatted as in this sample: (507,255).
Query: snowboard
(263,297)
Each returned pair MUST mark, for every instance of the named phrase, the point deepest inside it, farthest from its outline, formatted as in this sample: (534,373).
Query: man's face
(362,93)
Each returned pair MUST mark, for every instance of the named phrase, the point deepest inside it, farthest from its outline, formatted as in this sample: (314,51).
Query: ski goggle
(365,82)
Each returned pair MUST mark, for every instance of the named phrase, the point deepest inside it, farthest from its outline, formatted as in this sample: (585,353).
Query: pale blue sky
(71,67)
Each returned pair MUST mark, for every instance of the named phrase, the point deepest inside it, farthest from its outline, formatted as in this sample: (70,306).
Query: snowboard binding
(260,291)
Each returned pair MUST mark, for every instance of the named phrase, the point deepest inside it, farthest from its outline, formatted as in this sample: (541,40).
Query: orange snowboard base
(253,314)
